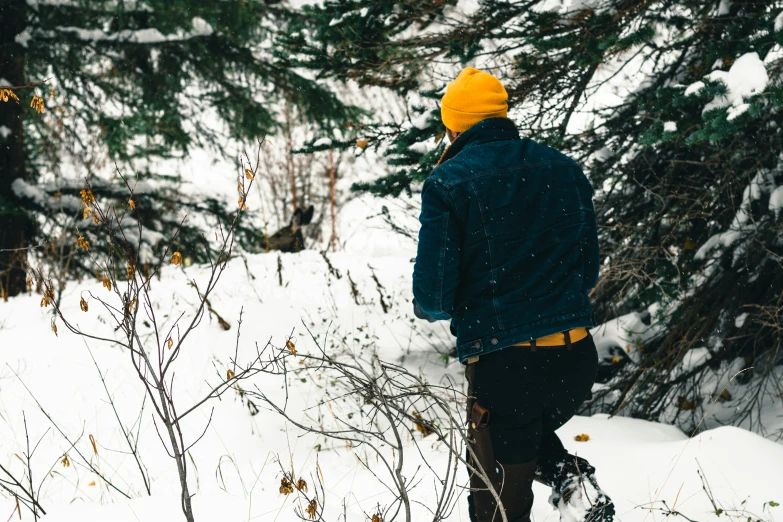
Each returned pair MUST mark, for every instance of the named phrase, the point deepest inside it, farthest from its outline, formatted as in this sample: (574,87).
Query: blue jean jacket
(508,246)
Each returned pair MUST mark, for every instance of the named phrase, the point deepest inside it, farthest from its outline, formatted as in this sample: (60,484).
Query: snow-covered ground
(235,472)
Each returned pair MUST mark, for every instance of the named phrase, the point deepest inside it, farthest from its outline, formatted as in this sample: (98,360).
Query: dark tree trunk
(16,226)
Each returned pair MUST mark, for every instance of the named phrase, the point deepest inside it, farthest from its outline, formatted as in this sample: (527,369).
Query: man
(508,251)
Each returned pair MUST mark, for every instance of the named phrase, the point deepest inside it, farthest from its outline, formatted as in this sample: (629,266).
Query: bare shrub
(394,406)
(131,301)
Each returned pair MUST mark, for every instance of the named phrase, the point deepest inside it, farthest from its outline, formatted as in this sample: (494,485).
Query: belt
(557,340)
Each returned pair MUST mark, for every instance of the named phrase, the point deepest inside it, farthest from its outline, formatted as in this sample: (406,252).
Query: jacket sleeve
(436,273)
(592,259)
(591,254)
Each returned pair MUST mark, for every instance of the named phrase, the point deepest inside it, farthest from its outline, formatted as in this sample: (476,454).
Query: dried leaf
(30,283)
(87,212)
(249,174)
(91,483)
(301,485)
(131,204)
(131,270)
(83,305)
(685,404)
(37,103)
(376,518)
(94,445)
(82,243)
(421,424)
(5,95)
(66,462)
(48,296)
(54,329)
(286,488)
(107,283)
(311,509)
(169,343)
(289,344)
(176,258)
(616,359)
(87,197)
(229,374)
(362,143)
(583,437)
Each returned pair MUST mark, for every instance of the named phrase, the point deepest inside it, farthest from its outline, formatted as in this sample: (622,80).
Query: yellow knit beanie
(473,96)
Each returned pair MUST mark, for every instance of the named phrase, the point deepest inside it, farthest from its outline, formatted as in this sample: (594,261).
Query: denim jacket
(508,246)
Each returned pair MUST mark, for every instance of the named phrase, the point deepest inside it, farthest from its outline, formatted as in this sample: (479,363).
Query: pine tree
(128,82)
(672,107)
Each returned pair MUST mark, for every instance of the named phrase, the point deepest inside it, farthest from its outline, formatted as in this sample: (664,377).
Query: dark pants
(528,394)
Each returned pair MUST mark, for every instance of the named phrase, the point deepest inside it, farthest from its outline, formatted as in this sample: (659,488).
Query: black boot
(575,490)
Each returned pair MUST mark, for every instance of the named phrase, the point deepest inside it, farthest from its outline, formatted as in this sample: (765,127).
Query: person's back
(527,248)
(508,251)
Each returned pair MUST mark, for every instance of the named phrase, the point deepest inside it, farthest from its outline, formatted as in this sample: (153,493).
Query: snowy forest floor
(643,466)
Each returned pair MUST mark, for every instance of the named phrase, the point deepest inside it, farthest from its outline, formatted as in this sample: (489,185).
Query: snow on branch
(141,36)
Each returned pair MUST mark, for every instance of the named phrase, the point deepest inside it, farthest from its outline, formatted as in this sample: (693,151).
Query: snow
(4,131)
(337,21)
(201,27)
(421,121)
(694,88)
(141,36)
(693,358)
(423,146)
(737,110)
(761,183)
(24,37)
(670,126)
(626,333)
(776,200)
(724,7)
(739,321)
(779,22)
(238,476)
(322,142)
(23,189)
(746,77)
(603,154)
(774,54)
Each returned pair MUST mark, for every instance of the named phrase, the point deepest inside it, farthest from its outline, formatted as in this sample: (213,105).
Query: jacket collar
(485,131)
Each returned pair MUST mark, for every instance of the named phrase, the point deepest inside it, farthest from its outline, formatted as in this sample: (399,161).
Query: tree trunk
(333,239)
(16,226)
(289,159)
